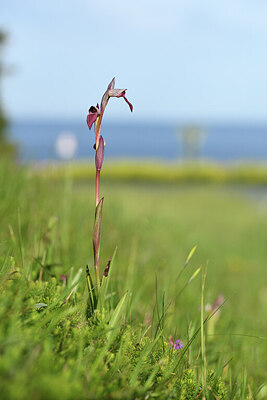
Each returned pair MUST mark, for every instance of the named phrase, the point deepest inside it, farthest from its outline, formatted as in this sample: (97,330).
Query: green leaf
(114,320)
(114,328)
(188,282)
(97,228)
(144,354)
(74,283)
(194,275)
(262,394)
(105,282)
(7,269)
(90,288)
(38,306)
(190,255)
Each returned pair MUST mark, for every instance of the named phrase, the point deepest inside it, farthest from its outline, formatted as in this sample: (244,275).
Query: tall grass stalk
(202,336)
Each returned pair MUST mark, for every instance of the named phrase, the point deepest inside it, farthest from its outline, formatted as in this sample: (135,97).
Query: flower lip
(127,101)
(120,93)
(111,92)
(93,109)
(92,116)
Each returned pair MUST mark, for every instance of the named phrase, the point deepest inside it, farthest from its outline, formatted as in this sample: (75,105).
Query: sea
(41,140)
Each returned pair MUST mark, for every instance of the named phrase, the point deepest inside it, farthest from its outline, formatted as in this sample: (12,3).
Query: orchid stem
(97,182)
(94,117)
(97,271)
(97,250)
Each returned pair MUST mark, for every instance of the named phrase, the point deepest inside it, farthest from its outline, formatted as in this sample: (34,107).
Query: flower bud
(99,155)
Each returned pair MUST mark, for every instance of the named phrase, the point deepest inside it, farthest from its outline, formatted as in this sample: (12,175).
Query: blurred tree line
(6,147)
(3,120)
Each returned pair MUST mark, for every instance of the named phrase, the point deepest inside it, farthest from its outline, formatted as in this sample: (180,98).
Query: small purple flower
(177,345)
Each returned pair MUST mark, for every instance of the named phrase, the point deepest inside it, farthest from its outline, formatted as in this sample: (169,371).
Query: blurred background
(195,73)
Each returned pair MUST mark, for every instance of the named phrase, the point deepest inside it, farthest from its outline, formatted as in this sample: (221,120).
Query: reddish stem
(96,251)
(97,182)
(98,130)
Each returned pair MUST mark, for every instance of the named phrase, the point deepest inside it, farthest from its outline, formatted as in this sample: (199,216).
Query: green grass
(53,352)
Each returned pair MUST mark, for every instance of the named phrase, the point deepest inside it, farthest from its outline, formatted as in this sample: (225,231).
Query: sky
(179,59)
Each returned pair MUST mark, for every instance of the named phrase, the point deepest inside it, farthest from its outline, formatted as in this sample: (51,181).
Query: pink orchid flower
(95,115)
(111,92)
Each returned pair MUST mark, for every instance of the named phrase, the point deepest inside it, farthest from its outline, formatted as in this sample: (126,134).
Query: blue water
(222,142)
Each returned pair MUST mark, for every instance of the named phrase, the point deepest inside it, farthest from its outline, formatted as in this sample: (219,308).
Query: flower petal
(129,104)
(116,92)
(120,93)
(92,116)
(106,96)
(111,92)
(104,101)
(112,84)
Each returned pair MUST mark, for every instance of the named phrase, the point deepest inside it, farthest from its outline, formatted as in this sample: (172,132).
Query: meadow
(52,348)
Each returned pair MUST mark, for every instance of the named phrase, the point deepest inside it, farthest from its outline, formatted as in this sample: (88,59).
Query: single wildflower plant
(94,118)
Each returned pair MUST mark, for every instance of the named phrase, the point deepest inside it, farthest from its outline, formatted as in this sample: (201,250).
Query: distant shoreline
(169,142)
